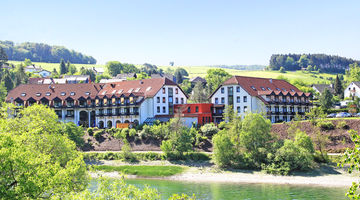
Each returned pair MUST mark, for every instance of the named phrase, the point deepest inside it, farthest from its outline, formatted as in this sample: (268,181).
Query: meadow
(141,170)
(309,78)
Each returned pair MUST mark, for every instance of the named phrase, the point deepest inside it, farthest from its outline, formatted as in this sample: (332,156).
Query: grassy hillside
(201,71)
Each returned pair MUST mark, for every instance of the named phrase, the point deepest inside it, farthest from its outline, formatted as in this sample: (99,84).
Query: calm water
(241,191)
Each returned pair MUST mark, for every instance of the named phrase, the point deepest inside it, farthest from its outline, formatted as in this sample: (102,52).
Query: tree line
(40,52)
(321,62)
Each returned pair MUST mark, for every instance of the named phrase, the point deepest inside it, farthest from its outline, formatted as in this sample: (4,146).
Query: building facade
(278,99)
(352,90)
(104,105)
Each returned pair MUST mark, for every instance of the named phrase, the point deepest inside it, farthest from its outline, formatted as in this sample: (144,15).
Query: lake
(242,191)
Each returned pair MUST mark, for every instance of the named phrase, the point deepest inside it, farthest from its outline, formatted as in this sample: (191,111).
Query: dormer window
(87,93)
(269,88)
(72,93)
(23,94)
(131,89)
(252,87)
(148,89)
(48,94)
(63,94)
(263,88)
(113,92)
(137,90)
(284,89)
(38,94)
(103,93)
(278,89)
(292,90)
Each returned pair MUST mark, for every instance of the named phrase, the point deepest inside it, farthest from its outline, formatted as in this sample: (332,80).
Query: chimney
(270,80)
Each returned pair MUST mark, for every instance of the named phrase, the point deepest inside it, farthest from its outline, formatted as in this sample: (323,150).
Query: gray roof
(126,75)
(169,76)
(321,87)
(357,83)
(198,79)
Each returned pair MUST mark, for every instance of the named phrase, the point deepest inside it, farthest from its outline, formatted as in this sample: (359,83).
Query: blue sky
(188,32)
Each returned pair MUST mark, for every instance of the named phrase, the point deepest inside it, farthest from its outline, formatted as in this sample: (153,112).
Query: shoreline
(338,178)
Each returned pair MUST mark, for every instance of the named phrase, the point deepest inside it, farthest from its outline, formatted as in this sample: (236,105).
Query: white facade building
(352,90)
(278,99)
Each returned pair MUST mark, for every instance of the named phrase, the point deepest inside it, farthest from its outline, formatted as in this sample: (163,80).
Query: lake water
(242,191)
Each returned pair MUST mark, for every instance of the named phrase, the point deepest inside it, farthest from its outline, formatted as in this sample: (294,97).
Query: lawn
(146,171)
(194,71)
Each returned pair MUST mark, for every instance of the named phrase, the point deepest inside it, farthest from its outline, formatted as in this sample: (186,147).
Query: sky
(188,32)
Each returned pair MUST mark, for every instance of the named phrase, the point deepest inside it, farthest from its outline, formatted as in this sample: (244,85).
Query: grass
(146,171)
(309,78)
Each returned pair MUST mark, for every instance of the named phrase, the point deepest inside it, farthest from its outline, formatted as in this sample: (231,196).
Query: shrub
(276,169)
(327,125)
(342,125)
(222,125)
(98,134)
(209,129)
(223,150)
(74,133)
(90,131)
(126,151)
(132,132)
(124,132)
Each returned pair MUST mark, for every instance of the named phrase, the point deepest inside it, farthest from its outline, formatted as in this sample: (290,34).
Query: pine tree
(338,86)
(326,99)
(63,69)
(8,82)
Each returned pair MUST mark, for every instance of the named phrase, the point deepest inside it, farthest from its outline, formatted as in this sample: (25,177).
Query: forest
(40,52)
(322,62)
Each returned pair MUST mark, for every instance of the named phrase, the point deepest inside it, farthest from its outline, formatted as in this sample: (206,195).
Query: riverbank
(326,175)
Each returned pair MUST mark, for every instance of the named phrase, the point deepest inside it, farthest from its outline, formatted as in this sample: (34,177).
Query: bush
(321,158)
(342,125)
(90,131)
(98,134)
(326,125)
(223,150)
(209,129)
(222,125)
(132,132)
(276,169)
(74,133)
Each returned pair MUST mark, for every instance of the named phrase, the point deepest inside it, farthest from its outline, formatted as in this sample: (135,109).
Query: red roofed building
(279,99)
(104,105)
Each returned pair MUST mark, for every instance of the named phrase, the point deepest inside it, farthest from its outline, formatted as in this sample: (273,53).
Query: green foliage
(180,139)
(342,125)
(132,132)
(39,52)
(199,93)
(180,74)
(322,62)
(102,76)
(98,134)
(326,125)
(282,70)
(223,149)
(326,99)
(63,67)
(74,133)
(126,151)
(115,67)
(142,170)
(315,115)
(209,129)
(353,73)
(215,77)
(338,87)
(36,159)
(114,189)
(351,158)
(90,131)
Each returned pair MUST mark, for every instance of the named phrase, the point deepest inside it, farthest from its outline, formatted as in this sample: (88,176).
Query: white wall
(347,92)
(166,104)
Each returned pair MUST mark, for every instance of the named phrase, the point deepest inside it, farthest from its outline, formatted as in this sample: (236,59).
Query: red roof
(264,86)
(145,88)
(38,91)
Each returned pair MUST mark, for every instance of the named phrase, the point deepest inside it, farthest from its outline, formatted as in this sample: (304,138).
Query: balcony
(69,115)
(100,114)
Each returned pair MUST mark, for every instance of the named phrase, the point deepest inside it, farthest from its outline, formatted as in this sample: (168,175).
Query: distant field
(201,71)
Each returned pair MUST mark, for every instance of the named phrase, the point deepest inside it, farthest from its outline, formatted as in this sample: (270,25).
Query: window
(237,89)
(163,91)
(158,109)
(189,109)
(158,99)
(245,99)
(216,100)
(23,94)
(245,108)
(237,99)
(238,109)
(278,89)
(196,109)
(176,100)
(182,100)
(176,91)
(87,93)
(38,94)
(63,94)
(263,88)
(292,90)
(164,100)
(222,90)
(283,89)
(148,89)
(252,87)
(222,100)
(269,88)
(164,109)
(72,93)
